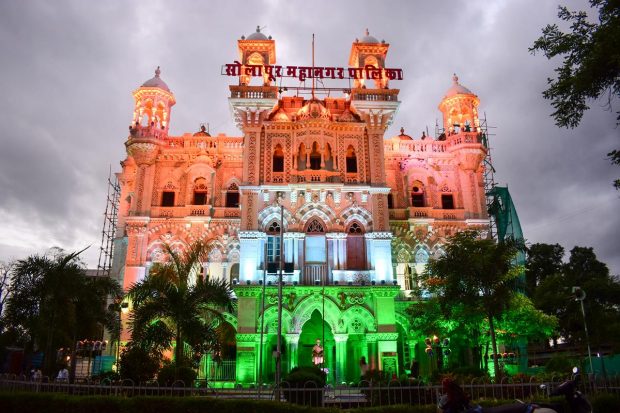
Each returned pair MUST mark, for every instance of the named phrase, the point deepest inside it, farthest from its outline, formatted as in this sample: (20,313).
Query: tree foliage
(591,63)
(53,303)
(591,60)
(479,274)
(543,260)
(176,305)
(553,295)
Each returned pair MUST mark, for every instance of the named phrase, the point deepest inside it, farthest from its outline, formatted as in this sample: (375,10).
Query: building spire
(455,79)
(157,72)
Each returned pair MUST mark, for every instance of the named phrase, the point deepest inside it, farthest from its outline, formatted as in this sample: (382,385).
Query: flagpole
(313,80)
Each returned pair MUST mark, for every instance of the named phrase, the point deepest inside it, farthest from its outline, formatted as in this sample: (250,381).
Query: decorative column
(247,358)
(380,253)
(292,342)
(388,353)
(334,240)
(371,340)
(340,374)
(251,251)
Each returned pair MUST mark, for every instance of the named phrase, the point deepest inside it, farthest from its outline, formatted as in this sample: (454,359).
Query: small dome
(404,137)
(368,38)
(314,110)
(156,81)
(202,131)
(457,88)
(257,35)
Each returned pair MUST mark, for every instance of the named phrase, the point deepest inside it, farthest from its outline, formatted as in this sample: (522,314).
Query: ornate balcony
(430,212)
(375,95)
(253,92)
(315,175)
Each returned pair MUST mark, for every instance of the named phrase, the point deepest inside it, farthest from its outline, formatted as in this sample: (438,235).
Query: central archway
(311,331)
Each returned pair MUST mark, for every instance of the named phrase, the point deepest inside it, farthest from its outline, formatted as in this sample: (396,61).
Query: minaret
(256,50)
(154,101)
(149,128)
(460,108)
(369,52)
(377,106)
(462,128)
(250,106)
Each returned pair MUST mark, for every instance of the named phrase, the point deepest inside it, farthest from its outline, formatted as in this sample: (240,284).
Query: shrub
(560,364)
(304,385)
(300,376)
(138,364)
(107,375)
(171,373)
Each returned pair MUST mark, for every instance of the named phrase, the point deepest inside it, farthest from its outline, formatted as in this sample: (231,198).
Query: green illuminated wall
(352,321)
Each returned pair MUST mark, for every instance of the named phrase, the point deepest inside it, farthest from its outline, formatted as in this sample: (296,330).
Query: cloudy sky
(68,69)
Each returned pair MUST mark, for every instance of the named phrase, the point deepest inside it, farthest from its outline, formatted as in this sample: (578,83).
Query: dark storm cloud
(68,69)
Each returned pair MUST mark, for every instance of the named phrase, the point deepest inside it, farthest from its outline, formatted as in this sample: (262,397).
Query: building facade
(360,212)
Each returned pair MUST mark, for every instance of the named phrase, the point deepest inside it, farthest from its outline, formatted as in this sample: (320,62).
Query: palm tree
(176,305)
(53,302)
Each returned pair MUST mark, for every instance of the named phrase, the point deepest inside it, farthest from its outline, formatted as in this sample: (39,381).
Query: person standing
(363,367)
(317,353)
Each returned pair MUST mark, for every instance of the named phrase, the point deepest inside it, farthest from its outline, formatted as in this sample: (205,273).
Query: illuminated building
(362,212)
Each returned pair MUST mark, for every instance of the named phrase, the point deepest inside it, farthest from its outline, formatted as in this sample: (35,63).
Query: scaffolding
(488,176)
(109,227)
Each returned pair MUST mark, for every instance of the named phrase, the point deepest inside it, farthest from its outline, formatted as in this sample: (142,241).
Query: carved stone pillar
(292,342)
(341,357)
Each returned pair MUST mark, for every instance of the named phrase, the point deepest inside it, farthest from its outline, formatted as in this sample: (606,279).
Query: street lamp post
(279,341)
(580,295)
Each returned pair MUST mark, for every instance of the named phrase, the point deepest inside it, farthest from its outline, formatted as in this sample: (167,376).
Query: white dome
(457,88)
(257,35)
(368,38)
(156,81)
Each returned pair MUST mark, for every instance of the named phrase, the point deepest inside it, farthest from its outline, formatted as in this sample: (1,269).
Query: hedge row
(60,403)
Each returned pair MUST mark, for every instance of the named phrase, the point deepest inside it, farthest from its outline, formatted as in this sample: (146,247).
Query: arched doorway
(313,329)
(315,269)
(220,364)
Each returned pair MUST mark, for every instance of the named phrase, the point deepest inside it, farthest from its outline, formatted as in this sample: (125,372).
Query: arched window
(273,246)
(315,227)
(417,195)
(232,196)
(278,159)
(356,251)
(200,192)
(234,272)
(315,157)
(351,160)
(447,201)
(167,199)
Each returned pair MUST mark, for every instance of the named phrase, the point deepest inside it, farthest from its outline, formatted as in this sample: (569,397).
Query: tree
(591,65)
(554,296)
(176,304)
(478,273)
(53,302)
(5,285)
(543,260)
